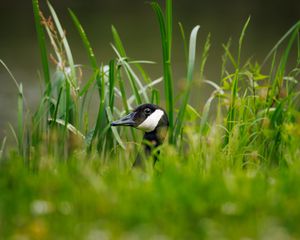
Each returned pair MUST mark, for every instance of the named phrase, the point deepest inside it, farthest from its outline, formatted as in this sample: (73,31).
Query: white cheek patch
(151,122)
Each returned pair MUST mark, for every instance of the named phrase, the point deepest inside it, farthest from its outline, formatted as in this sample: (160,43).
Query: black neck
(151,140)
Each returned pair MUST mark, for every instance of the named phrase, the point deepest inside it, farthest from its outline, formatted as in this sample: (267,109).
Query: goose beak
(128,120)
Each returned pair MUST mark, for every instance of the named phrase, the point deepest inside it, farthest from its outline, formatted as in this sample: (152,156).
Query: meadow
(230,170)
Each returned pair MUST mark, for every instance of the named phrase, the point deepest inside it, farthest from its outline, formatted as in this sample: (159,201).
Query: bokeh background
(139,31)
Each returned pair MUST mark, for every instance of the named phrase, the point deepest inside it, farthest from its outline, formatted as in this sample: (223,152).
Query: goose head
(146,117)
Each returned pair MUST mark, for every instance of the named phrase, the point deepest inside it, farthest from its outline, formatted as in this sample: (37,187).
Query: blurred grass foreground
(228,171)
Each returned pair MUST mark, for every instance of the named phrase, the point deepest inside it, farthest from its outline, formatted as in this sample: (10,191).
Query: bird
(154,122)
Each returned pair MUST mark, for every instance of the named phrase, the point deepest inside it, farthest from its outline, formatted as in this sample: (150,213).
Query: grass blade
(284,59)
(86,87)
(132,77)
(241,40)
(155,96)
(21,120)
(204,56)
(118,42)
(111,84)
(68,103)
(122,90)
(99,77)
(190,71)
(234,88)
(57,104)
(119,49)
(85,40)
(144,89)
(185,46)
(281,40)
(69,126)
(165,32)
(279,75)
(113,129)
(42,45)
(10,74)
(169,23)
(204,118)
(2,148)
(229,55)
(65,44)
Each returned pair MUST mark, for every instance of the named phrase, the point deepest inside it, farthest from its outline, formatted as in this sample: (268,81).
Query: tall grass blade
(13,132)
(169,24)
(281,40)
(118,42)
(10,74)
(55,44)
(111,85)
(67,48)
(69,126)
(190,71)
(204,56)
(298,48)
(284,59)
(185,45)
(42,45)
(132,77)
(57,105)
(125,103)
(122,90)
(143,73)
(21,120)
(85,40)
(2,148)
(279,75)
(144,89)
(114,130)
(99,77)
(229,55)
(241,39)
(67,110)
(99,123)
(94,64)
(102,118)
(88,84)
(155,97)
(234,88)
(166,31)
(206,108)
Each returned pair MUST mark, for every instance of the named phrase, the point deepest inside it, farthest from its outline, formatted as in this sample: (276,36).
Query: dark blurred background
(139,31)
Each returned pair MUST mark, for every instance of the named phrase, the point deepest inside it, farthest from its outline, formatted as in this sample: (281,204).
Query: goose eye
(147,111)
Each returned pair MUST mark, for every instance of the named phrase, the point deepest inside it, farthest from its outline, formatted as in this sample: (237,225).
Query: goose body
(153,121)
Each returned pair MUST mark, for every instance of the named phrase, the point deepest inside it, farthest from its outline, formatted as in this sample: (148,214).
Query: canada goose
(151,119)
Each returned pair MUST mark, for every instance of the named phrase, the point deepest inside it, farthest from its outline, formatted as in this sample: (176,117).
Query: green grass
(228,171)
(81,200)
